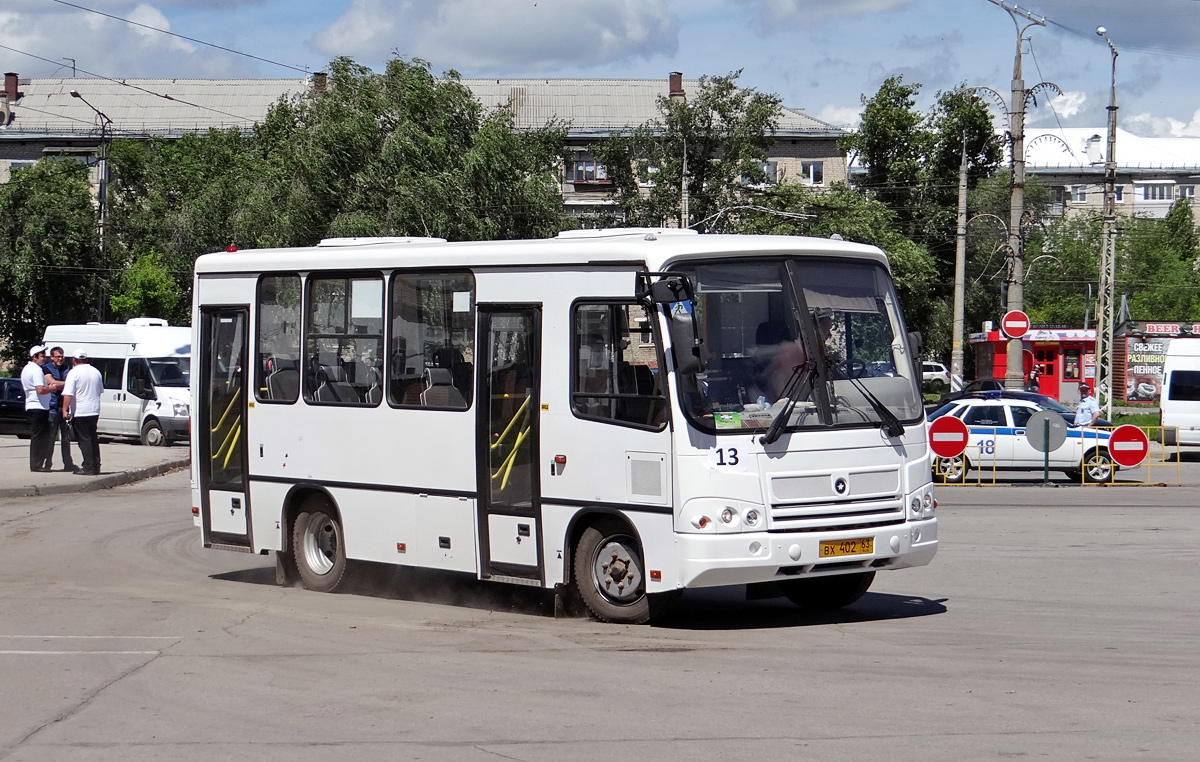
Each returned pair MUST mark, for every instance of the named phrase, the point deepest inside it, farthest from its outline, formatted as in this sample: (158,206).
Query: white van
(146,365)
(1180,402)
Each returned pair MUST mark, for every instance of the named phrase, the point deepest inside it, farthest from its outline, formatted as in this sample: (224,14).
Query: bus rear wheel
(610,574)
(318,547)
(828,593)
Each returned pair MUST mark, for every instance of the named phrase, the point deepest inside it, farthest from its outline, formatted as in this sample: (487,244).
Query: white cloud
(841,116)
(1069,103)
(774,13)
(505,35)
(1162,126)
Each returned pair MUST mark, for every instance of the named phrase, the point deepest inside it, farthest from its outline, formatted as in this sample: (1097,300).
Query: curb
(93,485)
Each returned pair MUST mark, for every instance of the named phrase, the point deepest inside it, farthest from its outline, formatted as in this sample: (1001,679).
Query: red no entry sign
(1128,446)
(947,437)
(1015,324)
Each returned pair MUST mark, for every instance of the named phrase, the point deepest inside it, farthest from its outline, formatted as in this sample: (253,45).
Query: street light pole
(101,198)
(1014,376)
(1108,259)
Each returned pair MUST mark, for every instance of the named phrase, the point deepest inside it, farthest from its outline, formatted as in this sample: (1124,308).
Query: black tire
(1169,436)
(1098,467)
(828,593)
(318,547)
(610,575)
(153,434)
(952,470)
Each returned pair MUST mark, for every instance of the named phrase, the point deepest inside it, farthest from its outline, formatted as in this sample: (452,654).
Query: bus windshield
(821,338)
(171,371)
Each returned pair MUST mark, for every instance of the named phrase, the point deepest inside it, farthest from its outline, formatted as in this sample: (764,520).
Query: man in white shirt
(1088,411)
(38,386)
(81,406)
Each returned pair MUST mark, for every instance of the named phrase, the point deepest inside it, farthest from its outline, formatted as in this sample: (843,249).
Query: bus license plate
(854,547)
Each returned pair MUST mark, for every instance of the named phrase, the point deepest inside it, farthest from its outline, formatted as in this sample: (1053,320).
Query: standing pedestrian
(81,406)
(1088,411)
(37,406)
(58,368)
(1034,384)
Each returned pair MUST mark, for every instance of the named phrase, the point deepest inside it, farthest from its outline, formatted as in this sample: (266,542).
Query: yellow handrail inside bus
(500,439)
(232,401)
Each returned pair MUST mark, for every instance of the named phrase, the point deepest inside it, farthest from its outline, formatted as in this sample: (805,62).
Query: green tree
(49,255)
(147,290)
(718,139)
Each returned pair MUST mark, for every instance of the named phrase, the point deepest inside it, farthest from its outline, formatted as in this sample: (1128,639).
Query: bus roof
(654,247)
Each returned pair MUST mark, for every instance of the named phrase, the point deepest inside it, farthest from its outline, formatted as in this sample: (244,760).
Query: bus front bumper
(713,560)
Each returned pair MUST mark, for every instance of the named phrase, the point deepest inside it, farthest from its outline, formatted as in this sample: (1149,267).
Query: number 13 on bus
(615,414)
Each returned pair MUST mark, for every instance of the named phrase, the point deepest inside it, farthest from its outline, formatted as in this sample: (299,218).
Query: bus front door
(225,499)
(509,489)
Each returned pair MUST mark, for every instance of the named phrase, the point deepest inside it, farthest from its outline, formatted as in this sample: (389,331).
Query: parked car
(13,419)
(933,373)
(997,437)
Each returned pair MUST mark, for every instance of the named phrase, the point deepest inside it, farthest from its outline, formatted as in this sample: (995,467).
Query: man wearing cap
(1088,411)
(38,385)
(81,406)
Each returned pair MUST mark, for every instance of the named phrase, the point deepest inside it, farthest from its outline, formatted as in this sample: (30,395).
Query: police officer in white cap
(81,406)
(38,386)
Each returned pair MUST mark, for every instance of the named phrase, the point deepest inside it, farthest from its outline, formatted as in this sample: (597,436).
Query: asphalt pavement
(121,462)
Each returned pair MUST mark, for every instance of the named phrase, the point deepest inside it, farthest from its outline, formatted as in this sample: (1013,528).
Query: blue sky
(819,55)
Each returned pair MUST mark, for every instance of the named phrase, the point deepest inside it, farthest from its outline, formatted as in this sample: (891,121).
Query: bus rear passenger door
(223,463)
(508,421)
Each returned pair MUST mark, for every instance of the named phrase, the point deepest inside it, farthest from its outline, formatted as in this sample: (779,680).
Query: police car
(997,438)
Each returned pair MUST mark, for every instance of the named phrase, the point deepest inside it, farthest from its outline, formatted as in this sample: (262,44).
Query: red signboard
(1128,446)
(947,437)
(1015,324)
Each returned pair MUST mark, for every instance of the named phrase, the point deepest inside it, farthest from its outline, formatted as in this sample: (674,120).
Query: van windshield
(171,371)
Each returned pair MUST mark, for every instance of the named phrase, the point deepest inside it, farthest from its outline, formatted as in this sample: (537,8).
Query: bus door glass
(509,489)
(223,458)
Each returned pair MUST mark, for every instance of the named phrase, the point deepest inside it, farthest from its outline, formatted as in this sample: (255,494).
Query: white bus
(625,412)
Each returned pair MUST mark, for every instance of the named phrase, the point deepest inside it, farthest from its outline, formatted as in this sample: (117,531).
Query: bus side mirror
(671,289)
(684,342)
(916,344)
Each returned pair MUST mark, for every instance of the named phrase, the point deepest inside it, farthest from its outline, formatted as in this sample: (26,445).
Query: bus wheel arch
(316,540)
(608,569)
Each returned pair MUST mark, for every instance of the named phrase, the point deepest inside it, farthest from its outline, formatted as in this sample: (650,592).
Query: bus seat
(332,388)
(283,384)
(440,391)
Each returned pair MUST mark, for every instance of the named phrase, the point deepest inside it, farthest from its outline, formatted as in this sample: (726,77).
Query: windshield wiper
(891,424)
(800,373)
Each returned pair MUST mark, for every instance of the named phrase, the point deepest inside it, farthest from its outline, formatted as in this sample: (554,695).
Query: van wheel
(153,434)
(318,548)
(1169,436)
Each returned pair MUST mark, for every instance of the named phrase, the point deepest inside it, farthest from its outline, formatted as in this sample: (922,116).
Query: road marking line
(78,653)
(95,637)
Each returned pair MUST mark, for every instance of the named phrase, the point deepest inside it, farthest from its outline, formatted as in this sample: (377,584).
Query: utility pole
(101,198)
(960,275)
(1014,376)
(1108,259)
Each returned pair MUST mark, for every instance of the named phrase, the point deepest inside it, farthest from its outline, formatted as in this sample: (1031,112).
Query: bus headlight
(751,518)
(728,515)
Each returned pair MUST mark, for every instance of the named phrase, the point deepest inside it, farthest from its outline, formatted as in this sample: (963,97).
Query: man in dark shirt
(59,426)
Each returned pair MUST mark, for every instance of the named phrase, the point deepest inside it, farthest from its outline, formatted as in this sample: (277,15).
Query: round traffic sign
(1046,431)
(1015,324)
(947,437)
(1128,445)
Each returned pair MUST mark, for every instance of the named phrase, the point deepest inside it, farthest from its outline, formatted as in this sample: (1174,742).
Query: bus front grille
(813,517)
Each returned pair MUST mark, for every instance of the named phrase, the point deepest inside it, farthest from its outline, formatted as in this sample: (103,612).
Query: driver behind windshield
(778,354)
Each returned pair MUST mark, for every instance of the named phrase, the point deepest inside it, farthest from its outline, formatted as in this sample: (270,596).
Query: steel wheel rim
(320,543)
(617,570)
(154,436)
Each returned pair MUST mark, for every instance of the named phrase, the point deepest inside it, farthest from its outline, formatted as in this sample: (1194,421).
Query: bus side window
(344,340)
(432,344)
(615,374)
(277,339)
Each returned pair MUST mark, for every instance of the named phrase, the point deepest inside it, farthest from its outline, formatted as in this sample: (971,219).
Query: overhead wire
(182,37)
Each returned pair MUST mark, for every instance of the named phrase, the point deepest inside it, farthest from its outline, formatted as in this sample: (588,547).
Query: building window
(770,170)
(1078,194)
(1119,193)
(1187,191)
(812,173)
(582,167)
(344,349)
(1157,192)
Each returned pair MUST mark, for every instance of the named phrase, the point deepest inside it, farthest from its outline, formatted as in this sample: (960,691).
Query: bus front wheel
(610,574)
(828,593)
(318,547)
